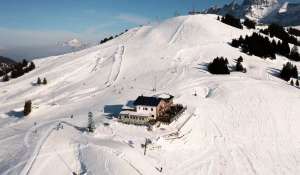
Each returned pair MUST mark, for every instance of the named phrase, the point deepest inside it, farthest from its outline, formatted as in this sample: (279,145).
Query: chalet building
(146,109)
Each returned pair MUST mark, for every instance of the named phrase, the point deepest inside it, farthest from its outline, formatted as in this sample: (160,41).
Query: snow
(237,124)
(283,8)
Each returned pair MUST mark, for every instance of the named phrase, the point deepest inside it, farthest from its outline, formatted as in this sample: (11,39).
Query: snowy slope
(238,124)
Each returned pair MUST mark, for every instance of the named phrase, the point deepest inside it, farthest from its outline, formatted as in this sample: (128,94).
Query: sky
(36,26)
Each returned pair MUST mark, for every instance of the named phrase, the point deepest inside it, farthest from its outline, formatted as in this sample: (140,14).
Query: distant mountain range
(263,11)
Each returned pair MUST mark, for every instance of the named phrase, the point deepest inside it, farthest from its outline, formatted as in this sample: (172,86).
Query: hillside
(237,124)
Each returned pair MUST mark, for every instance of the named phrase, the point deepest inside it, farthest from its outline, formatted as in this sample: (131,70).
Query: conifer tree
(5,78)
(27,107)
(91,124)
(31,66)
(292,83)
(45,81)
(297,83)
(24,63)
(39,81)
(240,59)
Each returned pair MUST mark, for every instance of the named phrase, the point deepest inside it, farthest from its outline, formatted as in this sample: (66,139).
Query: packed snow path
(116,67)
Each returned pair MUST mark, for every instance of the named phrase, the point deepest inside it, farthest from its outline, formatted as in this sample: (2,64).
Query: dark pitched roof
(147,101)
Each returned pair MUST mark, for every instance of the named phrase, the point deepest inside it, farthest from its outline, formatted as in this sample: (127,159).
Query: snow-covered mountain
(237,124)
(265,11)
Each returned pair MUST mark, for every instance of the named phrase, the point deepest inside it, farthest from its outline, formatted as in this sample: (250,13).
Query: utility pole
(147,141)
(154,88)
(145,147)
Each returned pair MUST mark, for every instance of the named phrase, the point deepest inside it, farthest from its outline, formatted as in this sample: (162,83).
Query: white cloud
(135,19)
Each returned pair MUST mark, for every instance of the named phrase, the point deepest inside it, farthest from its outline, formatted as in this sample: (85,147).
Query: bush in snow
(219,66)
(91,124)
(297,83)
(289,71)
(27,108)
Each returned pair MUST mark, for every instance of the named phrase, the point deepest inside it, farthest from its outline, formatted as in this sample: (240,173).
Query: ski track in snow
(177,33)
(116,67)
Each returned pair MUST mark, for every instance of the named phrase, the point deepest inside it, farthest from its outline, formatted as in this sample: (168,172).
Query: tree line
(261,46)
(111,37)
(236,22)
(293,31)
(278,31)
(18,70)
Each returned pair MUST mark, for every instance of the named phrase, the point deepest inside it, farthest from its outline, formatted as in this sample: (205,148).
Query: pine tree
(297,83)
(240,59)
(292,83)
(45,81)
(239,67)
(39,81)
(24,63)
(289,71)
(31,66)
(295,54)
(27,107)
(5,78)
(91,124)
(249,24)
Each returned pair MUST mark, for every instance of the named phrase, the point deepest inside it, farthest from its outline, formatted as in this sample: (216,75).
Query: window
(151,109)
(153,116)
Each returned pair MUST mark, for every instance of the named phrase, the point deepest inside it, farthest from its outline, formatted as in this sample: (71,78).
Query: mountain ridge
(263,11)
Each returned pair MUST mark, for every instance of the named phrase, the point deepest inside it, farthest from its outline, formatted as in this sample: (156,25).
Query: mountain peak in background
(74,43)
(263,11)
